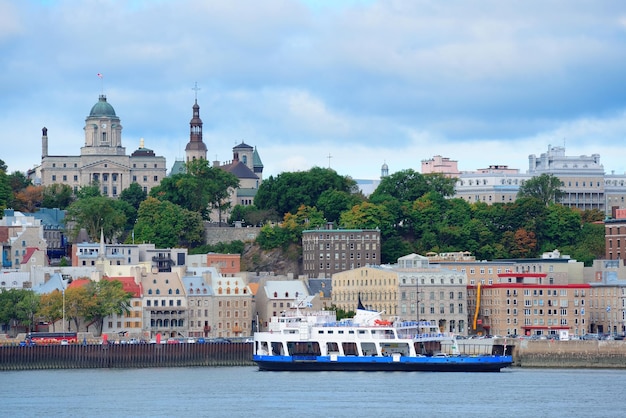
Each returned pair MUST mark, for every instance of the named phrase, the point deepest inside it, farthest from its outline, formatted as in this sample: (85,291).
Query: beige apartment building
(527,304)
(412,289)
(102,158)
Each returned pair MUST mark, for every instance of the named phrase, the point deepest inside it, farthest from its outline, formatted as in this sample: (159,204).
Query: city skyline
(346,84)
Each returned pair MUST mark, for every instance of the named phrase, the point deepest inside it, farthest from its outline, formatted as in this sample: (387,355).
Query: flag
(100,75)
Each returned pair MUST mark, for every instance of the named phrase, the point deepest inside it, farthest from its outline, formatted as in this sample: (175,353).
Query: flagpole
(101,77)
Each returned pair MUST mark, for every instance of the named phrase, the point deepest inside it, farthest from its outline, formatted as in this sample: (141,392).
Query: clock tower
(103,131)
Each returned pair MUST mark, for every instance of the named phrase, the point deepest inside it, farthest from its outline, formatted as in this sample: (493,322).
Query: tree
(17,307)
(5,189)
(251,215)
(288,191)
(133,195)
(96,214)
(57,195)
(200,189)
(28,199)
(109,297)
(167,225)
(51,307)
(367,216)
(93,190)
(78,301)
(333,202)
(546,188)
(409,185)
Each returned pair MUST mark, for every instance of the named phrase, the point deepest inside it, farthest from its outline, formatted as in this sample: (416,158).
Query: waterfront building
(200,299)
(615,235)
(232,305)
(412,289)
(528,304)
(559,269)
(164,304)
(329,251)
(276,296)
(103,160)
(607,307)
(129,323)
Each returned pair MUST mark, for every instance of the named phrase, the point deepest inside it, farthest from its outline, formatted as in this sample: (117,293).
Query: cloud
(366,82)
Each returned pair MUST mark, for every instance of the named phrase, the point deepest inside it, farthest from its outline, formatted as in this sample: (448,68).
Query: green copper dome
(102,108)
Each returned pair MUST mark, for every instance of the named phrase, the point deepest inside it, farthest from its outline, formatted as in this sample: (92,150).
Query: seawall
(570,354)
(79,356)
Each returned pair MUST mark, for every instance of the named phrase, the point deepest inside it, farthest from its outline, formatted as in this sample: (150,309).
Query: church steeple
(195,149)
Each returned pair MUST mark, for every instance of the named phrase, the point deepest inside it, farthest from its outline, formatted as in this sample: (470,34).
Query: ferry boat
(302,340)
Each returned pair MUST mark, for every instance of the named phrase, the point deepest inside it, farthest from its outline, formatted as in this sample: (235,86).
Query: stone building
(527,304)
(412,289)
(102,160)
(329,251)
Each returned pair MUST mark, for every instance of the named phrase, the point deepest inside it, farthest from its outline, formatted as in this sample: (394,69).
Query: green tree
(96,214)
(305,218)
(546,188)
(288,191)
(17,307)
(133,195)
(57,195)
(367,216)
(251,215)
(108,298)
(167,225)
(201,189)
(409,185)
(333,202)
(92,190)
(5,189)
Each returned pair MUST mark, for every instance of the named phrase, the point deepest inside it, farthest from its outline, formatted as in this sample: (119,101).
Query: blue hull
(389,364)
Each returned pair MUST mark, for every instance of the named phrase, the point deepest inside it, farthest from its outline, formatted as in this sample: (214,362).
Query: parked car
(219,340)
(173,341)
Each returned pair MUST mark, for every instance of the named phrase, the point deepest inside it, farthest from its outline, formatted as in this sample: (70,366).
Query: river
(246,392)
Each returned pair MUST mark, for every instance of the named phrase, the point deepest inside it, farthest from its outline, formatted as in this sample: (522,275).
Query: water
(246,392)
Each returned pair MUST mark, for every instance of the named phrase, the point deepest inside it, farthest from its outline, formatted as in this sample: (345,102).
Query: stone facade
(329,251)
(102,160)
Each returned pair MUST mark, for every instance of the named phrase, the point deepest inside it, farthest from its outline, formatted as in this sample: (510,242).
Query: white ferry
(315,341)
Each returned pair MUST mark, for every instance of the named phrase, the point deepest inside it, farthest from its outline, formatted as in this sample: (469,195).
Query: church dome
(102,108)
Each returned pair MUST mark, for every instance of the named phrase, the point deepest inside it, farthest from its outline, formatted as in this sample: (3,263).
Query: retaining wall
(570,354)
(79,356)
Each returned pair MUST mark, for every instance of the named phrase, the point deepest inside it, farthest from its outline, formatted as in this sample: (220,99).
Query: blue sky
(366,82)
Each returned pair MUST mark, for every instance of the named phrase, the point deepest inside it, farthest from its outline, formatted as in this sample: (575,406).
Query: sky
(349,84)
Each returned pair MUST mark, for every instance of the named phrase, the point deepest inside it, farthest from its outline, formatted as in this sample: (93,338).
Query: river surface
(246,392)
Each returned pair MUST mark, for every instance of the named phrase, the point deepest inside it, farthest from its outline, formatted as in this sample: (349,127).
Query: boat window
(349,349)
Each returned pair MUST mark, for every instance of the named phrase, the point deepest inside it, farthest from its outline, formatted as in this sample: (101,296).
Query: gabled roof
(29,253)
(239,170)
(79,283)
(128,284)
(285,289)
